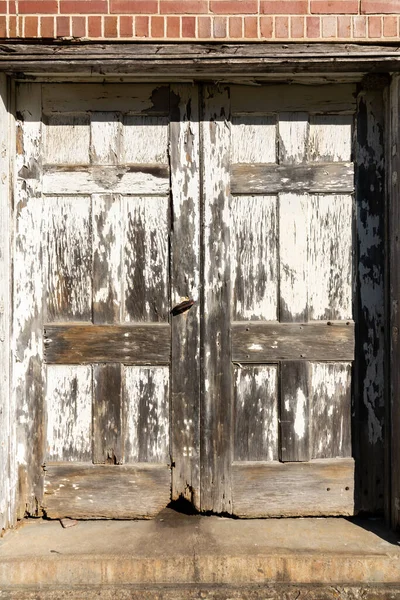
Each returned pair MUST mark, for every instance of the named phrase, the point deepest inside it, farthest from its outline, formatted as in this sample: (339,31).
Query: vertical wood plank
(254,139)
(7,410)
(28,375)
(330,138)
(216,396)
(146,260)
(295,411)
(107,417)
(185,283)
(66,139)
(105,138)
(146,414)
(69,258)
(145,139)
(254,258)
(293,137)
(69,413)
(256,413)
(369,381)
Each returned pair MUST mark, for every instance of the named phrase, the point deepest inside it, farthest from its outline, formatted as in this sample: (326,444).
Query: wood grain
(254,139)
(107,414)
(185,283)
(85,491)
(105,137)
(145,140)
(271,342)
(315,488)
(86,344)
(314,178)
(295,418)
(66,139)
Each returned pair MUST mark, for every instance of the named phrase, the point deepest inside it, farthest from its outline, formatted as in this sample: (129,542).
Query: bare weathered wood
(185,283)
(85,344)
(146,414)
(85,491)
(270,342)
(107,414)
(315,488)
(256,413)
(295,411)
(216,397)
(105,137)
(369,301)
(66,139)
(270,179)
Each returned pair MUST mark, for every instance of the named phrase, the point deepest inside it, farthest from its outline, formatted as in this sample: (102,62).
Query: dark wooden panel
(295,411)
(107,403)
(129,344)
(315,488)
(216,396)
(271,342)
(84,491)
(270,179)
(185,282)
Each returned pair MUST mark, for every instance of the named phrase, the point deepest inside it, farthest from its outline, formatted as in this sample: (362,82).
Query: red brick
(37,7)
(266,27)
(251,27)
(20,23)
(78,27)
(3,27)
(63,27)
(12,27)
(233,7)
(126,26)
(390,28)
(134,7)
(235,27)
(183,7)
(3,8)
(375,27)
(219,27)
(83,7)
(344,27)
(47,27)
(142,25)
(380,6)
(188,27)
(313,27)
(297,27)
(173,27)
(157,27)
(328,25)
(110,27)
(335,7)
(204,27)
(94,27)
(12,7)
(359,27)
(284,7)
(282,27)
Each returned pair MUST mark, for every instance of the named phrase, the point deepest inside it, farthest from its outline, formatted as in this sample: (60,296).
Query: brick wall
(269,20)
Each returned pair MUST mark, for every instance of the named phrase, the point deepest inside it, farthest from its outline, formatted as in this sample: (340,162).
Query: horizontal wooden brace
(316,178)
(70,344)
(266,342)
(315,488)
(85,491)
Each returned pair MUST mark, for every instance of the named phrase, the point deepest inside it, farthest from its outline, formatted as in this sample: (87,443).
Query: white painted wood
(7,409)
(330,138)
(146,408)
(128,98)
(146,259)
(330,247)
(105,129)
(69,258)
(254,139)
(293,132)
(293,248)
(104,179)
(145,140)
(69,413)
(66,139)
(254,257)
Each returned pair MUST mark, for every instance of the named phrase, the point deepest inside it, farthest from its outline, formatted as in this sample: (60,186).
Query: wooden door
(107,234)
(278,330)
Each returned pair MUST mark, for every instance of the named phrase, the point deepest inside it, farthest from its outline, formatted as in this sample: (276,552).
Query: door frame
(234,62)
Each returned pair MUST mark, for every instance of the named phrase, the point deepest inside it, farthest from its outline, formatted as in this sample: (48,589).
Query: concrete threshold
(199,553)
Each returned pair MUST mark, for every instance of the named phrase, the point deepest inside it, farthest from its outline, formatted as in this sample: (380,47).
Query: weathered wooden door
(242,403)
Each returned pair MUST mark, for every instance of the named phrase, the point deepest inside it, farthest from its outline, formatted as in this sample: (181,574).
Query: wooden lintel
(128,344)
(262,342)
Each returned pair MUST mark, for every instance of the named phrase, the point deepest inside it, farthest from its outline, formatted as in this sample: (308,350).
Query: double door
(183,298)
